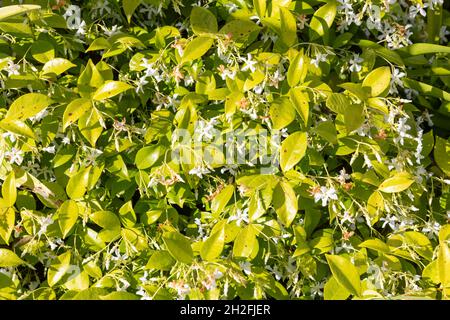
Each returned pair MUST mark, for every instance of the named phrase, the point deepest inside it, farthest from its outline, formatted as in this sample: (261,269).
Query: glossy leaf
(282,113)
(9,259)
(75,110)
(77,185)
(68,215)
(178,246)
(28,105)
(378,81)
(111,89)
(213,246)
(293,149)
(345,273)
(196,48)
(221,200)
(399,182)
(9,191)
(57,66)
(203,21)
(285,203)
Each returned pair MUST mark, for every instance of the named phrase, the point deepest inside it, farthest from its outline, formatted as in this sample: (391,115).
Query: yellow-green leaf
(288,27)
(75,110)
(443,263)
(334,291)
(442,154)
(399,182)
(245,242)
(285,202)
(282,113)
(345,273)
(129,6)
(213,246)
(9,259)
(7,221)
(11,11)
(77,185)
(378,81)
(260,7)
(196,48)
(178,246)
(293,149)
(58,268)
(68,215)
(147,156)
(375,244)
(57,66)
(9,191)
(203,21)
(27,106)
(17,127)
(322,20)
(297,70)
(220,201)
(90,126)
(110,89)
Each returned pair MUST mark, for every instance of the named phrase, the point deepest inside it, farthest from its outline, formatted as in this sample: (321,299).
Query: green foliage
(224,149)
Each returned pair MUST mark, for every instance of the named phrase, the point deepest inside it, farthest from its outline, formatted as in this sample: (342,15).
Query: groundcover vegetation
(224,149)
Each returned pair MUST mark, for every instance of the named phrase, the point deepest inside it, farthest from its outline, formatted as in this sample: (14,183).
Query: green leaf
(260,7)
(443,263)
(147,156)
(442,154)
(110,224)
(120,295)
(297,70)
(58,268)
(378,81)
(398,183)
(288,27)
(375,206)
(68,215)
(7,221)
(77,185)
(354,116)
(334,291)
(9,191)
(293,149)
(426,89)
(27,106)
(110,89)
(160,260)
(57,66)
(203,21)
(338,102)
(420,244)
(322,20)
(9,259)
(11,11)
(178,246)
(327,130)
(285,202)
(300,100)
(282,113)
(213,246)
(17,127)
(417,49)
(245,242)
(221,200)
(196,48)
(42,51)
(129,6)
(375,244)
(127,215)
(75,110)
(90,126)
(345,273)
